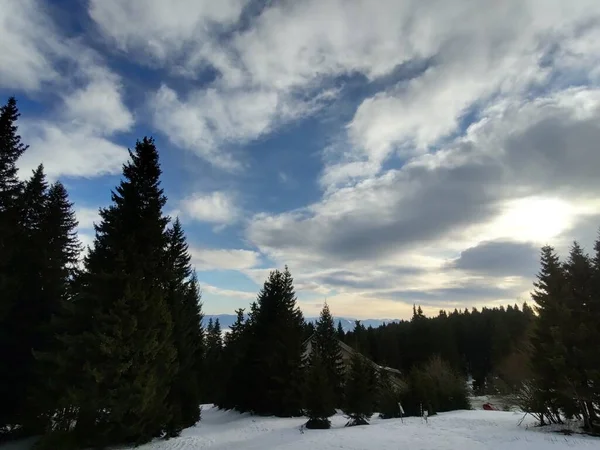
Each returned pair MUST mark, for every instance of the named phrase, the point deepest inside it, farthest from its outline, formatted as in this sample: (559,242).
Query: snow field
(459,430)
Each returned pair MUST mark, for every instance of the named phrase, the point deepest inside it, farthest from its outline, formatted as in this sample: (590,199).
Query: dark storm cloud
(500,258)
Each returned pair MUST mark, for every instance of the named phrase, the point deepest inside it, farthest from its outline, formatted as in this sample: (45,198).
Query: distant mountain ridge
(226,320)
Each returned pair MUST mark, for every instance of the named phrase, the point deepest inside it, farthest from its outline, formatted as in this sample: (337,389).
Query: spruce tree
(579,332)
(359,393)
(11,278)
(340,331)
(320,398)
(591,354)
(11,148)
(214,363)
(547,359)
(183,298)
(216,339)
(59,267)
(274,358)
(122,342)
(31,310)
(359,335)
(328,348)
(233,375)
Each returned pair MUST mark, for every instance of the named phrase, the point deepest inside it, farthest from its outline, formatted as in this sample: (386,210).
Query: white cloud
(210,122)
(87,242)
(241,295)
(76,139)
(66,151)
(99,105)
(258,276)
(495,51)
(87,217)
(27,45)
(216,207)
(208,119)
(224,259)
(162,30)
(293,50)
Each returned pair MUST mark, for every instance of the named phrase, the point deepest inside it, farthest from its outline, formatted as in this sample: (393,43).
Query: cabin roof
(349,350)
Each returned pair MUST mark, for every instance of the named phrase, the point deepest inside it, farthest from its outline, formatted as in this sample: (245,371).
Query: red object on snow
(489,407)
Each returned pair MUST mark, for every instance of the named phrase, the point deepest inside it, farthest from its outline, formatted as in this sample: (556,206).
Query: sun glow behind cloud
(535,219)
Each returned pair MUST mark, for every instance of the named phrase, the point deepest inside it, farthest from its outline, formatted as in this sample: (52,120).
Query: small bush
(318,424)
(436,387)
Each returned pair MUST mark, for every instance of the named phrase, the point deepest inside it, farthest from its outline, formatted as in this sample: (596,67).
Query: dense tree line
(473,342)
(101,351)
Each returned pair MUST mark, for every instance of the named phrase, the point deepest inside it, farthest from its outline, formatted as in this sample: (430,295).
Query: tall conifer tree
(340,331)
(327,345)
(591,354)
(122,342)
(579,332)
(214,360)
(232,394)
(547,359)
(11,148)
(274,360)
(29,311)
(59,254)
(320,397)
(183,298)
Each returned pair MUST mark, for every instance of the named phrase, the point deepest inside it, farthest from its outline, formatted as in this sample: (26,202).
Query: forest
(109,346)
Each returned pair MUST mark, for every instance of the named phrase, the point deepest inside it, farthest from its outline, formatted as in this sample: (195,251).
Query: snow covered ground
(460,430)
(463,430)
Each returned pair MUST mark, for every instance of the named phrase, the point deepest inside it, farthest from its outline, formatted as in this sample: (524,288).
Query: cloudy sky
(390,152)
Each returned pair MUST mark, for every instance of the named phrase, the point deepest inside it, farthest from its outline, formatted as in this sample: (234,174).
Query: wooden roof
(348,351)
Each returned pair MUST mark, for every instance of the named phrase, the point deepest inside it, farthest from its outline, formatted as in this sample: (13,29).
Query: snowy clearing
(464,430)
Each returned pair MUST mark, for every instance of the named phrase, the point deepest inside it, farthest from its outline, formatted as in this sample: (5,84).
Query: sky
(389,152)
